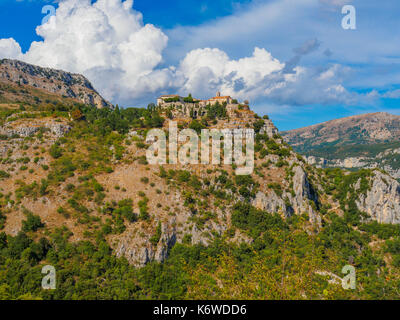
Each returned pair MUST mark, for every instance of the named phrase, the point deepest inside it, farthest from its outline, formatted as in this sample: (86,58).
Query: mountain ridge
(375,127)
(362,141)
(57,82)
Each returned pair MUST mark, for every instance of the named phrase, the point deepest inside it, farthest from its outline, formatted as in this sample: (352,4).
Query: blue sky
(20,18)
(292,60)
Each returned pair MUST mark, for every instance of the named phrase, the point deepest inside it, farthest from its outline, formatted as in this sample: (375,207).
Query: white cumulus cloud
(108,42)
(9,48)
(263,77)
(209,70)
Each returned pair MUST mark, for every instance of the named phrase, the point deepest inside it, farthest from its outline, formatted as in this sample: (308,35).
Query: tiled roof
(169,96)
(226,97)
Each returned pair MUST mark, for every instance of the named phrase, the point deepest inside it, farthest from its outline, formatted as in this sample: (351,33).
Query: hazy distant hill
(363,141)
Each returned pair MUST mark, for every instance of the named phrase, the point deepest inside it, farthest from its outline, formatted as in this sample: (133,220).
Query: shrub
(97,187)
(144,180)
(254,221)
(140,145)
(32,223)
(125,210)
(76,115)
(144,214)
(187,239)
(63,212)
(4,175)
(183,176)
(156,237)
(280,163)
(276,187)
(43,187)
(258,125)
(196,125)
(55,151)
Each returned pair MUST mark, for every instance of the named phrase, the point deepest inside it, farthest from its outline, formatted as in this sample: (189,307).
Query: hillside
(363,141)
(78,193)
(22,82)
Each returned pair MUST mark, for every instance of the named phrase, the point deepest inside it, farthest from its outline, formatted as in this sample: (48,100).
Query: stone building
(179,107)
(167,99)
(174,99)
(219,99)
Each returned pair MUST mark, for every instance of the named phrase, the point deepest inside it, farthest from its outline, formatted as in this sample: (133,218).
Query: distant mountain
(362,141)
(29,82)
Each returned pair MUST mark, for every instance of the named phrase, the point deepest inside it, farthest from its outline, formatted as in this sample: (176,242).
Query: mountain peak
(55,82)
(362,141)
(370,127)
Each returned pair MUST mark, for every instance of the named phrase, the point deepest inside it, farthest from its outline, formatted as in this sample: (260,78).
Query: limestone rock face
(59,129)
(136,247)
(382,201)
(270,202)
(269,128)
(298,203)
(22,130)
(140,252)
(304,195)
(378,161)
(54,81)
(167,241)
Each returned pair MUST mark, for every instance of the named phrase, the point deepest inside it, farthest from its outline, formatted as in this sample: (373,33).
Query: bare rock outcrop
(304,195)
(140,251)
(382,201)
(59,129)
(23,130)
(299,202)
(269,128)
(271,203)
(58,82)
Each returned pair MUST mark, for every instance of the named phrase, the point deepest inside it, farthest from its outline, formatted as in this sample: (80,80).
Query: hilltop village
(238,115)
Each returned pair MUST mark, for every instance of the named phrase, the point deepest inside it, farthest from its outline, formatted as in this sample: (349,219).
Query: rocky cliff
(61,83)
(382,201)
(297,202)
